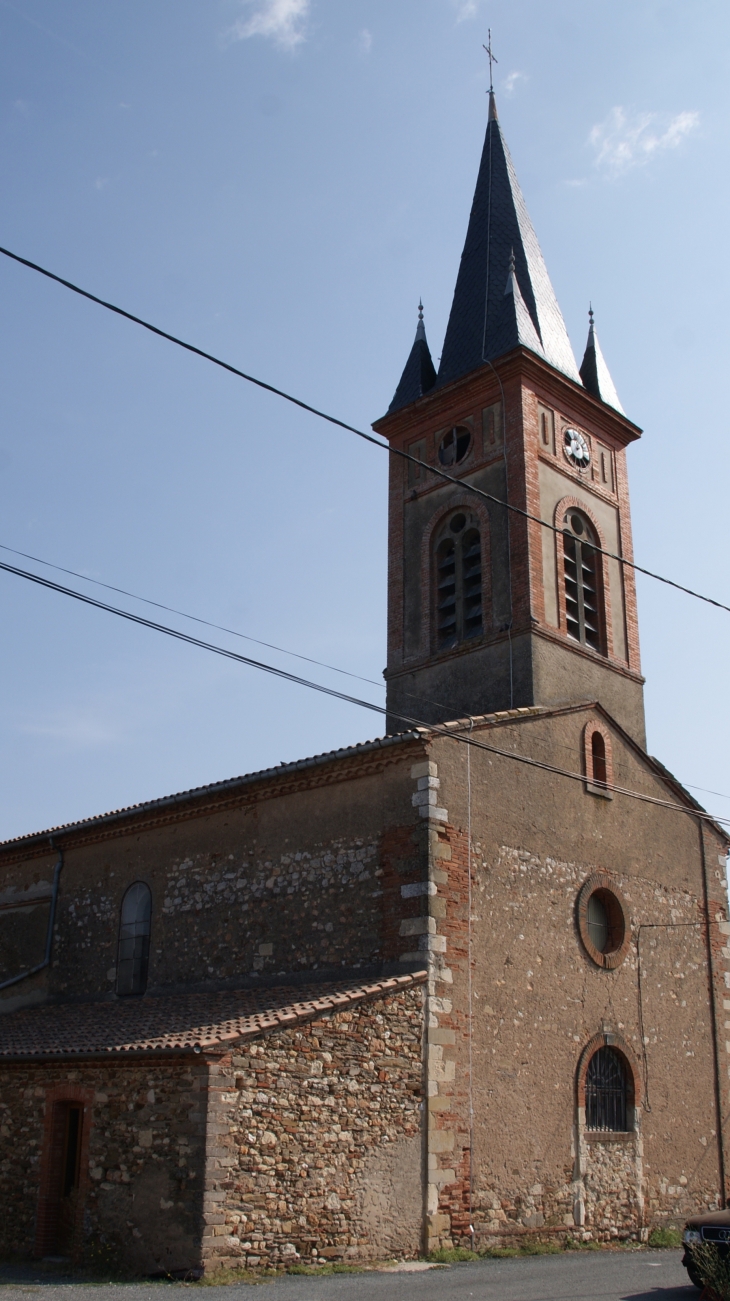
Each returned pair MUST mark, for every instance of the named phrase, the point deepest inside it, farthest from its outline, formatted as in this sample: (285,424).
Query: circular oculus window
(454,445)
(602,922)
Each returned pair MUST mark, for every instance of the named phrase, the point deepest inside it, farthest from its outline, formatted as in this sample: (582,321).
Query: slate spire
(499,226)
(513,323)
(419,374)
(594,371)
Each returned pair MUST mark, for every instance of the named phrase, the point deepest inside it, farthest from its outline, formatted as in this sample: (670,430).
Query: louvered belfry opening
(582,575)
(134,940)
(458,572)
(606,1100)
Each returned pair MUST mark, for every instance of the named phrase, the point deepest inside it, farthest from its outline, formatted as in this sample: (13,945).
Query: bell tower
(489,610)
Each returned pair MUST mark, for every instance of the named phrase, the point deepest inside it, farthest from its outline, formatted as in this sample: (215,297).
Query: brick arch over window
(607,889)
(574,503)
(607,1039)
(596,747)
(466,502)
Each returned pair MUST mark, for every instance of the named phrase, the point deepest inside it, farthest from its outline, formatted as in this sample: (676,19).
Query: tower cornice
(483,386)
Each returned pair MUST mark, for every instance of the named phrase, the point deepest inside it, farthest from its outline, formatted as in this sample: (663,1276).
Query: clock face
(576,448)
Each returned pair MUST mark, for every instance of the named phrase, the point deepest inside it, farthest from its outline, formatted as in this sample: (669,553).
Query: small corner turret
(594,371)
(419,372)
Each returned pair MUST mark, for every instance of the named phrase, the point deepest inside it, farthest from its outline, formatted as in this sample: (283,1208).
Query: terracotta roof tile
(178,1022)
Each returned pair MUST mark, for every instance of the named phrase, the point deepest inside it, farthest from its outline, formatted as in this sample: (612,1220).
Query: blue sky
(278,181)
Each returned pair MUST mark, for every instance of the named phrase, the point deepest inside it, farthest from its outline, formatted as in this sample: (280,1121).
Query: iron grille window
(606,1091)
(134,940)
(582,574)
(458,584)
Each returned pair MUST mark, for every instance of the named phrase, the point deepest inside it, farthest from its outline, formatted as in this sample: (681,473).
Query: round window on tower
(454,445)
(602,921)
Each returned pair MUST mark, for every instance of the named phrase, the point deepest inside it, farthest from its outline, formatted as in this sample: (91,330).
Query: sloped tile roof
(175,1023)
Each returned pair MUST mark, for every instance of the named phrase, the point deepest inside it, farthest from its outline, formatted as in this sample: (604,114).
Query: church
(465,984)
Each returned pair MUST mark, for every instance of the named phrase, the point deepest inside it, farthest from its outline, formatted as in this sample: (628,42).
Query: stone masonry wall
(287,876)
(315,1140)
(538,1000)
(141,1183)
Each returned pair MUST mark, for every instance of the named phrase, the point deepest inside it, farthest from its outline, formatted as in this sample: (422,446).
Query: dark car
(713,1226)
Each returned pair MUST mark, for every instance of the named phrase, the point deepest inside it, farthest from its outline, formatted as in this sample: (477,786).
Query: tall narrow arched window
(133,951)
(582,577)
(606,1091)
(458,581)
(598,758)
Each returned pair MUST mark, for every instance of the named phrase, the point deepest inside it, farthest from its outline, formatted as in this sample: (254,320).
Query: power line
(282,650)
(342,424)
(194,617)
(464,738)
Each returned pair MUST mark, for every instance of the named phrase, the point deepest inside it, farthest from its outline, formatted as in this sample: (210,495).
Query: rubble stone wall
(316,1138)
(289,875)
(538,999)
(141,1186)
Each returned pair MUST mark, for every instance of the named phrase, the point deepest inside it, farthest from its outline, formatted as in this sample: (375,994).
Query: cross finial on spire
(492,59)
(420,310)
(590,314)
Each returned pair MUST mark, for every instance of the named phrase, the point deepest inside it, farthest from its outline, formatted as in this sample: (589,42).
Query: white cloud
(623,142)
(365,41)
(512,79)
(280,20)
(81,728)
(465,9)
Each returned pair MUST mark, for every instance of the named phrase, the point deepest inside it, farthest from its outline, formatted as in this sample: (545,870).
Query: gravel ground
(573,1276)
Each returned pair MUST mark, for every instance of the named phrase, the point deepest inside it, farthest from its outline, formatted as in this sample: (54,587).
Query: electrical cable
(159,605)
(342,424)
(415,723)
(282,650)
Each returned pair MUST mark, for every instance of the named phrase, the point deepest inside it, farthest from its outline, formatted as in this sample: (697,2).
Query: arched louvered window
(583,582)
(606,1091)
(133,951)
(458,572)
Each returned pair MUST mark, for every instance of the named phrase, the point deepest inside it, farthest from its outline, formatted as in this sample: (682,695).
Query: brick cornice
(482,386)
(243,792)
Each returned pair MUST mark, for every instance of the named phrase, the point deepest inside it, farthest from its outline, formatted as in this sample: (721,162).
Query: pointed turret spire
(499,222)
(594,371)
(419,374)
(513,323)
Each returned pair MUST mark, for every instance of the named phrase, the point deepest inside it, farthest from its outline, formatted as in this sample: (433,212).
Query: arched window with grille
(133,950)
(607,1091)
(458,581)
(583,582)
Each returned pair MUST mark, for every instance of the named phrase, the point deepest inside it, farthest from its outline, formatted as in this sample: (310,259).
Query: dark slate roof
(480,329)
(419,374)
(594,371)
(180,1023)
(513,323)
